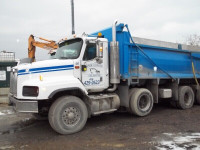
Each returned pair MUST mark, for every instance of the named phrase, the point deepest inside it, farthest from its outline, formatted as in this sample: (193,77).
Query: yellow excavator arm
(32,44)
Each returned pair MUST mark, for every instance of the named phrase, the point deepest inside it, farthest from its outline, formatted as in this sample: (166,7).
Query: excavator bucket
(32,44)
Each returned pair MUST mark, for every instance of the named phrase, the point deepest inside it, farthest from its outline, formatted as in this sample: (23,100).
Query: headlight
(31,91)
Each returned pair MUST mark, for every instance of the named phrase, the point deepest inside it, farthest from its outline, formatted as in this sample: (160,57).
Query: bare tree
(193,39)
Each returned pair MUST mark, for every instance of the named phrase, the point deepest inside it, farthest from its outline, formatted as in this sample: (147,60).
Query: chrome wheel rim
(71,116)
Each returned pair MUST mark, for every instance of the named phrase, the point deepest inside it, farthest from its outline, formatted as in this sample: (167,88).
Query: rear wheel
(68,115)
(130,93)
(186,97)
(141,102)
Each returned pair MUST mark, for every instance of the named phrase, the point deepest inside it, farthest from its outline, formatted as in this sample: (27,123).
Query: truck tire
(198,97)
(141,102)
(130,93)
(186,97)
(68,115)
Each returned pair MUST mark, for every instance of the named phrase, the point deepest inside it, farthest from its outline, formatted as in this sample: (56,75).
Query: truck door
(95,66)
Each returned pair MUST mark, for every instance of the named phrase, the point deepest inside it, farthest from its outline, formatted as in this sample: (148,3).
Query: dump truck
(103,72)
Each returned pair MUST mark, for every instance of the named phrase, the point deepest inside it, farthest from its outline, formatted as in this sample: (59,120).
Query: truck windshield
(69,49)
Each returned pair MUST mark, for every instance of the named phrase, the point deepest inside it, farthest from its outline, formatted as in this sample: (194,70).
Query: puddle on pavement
(180,141)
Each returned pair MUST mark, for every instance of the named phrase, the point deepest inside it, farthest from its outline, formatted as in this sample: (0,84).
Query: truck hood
(45,65)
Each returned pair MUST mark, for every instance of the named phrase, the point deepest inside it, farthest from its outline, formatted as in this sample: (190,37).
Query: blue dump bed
(147,61)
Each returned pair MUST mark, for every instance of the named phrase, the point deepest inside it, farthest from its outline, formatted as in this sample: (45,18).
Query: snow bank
(180,141)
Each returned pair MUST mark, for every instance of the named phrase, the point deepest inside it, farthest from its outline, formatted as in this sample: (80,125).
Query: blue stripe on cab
(53,67)
(21,71)
(46,69)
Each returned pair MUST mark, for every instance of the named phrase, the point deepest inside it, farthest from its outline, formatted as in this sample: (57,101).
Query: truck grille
(13,83)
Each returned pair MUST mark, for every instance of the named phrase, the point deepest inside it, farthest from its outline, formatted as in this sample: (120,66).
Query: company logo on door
(93,75)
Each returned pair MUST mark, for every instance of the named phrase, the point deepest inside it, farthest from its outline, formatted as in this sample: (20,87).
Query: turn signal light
(77,67)
(101,49)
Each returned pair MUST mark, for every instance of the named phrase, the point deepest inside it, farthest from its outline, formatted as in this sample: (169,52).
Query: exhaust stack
(114,31)
(72,11)
(114,60)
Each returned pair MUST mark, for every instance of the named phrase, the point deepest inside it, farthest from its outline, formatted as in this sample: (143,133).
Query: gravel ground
(165,128)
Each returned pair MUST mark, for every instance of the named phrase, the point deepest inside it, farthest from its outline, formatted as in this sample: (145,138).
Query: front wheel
(68,115)
(141,102)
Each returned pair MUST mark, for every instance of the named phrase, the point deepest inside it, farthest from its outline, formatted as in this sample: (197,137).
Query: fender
(68,83)
(65,89)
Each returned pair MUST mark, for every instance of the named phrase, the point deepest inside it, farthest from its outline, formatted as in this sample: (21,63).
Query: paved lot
(164,128)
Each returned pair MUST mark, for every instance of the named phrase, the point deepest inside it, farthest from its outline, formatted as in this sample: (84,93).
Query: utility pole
(72,9)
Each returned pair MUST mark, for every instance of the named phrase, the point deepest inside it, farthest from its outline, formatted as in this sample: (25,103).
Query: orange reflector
(77,67)
(41,78)
(101,49)
(99,34)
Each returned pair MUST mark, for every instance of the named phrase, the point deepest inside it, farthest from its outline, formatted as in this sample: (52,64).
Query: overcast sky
(168,20)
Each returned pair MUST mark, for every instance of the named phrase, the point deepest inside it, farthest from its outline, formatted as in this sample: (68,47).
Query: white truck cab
(80,63)
(66,87)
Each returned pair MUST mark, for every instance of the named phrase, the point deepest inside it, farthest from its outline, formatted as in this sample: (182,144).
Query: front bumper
(24,106)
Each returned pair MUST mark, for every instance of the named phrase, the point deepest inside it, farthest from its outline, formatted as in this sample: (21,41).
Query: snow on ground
(26,119)
(180,141)
(6,112)
(7,147)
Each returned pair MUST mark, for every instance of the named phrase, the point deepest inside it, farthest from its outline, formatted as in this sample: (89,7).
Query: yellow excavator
(32,44)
